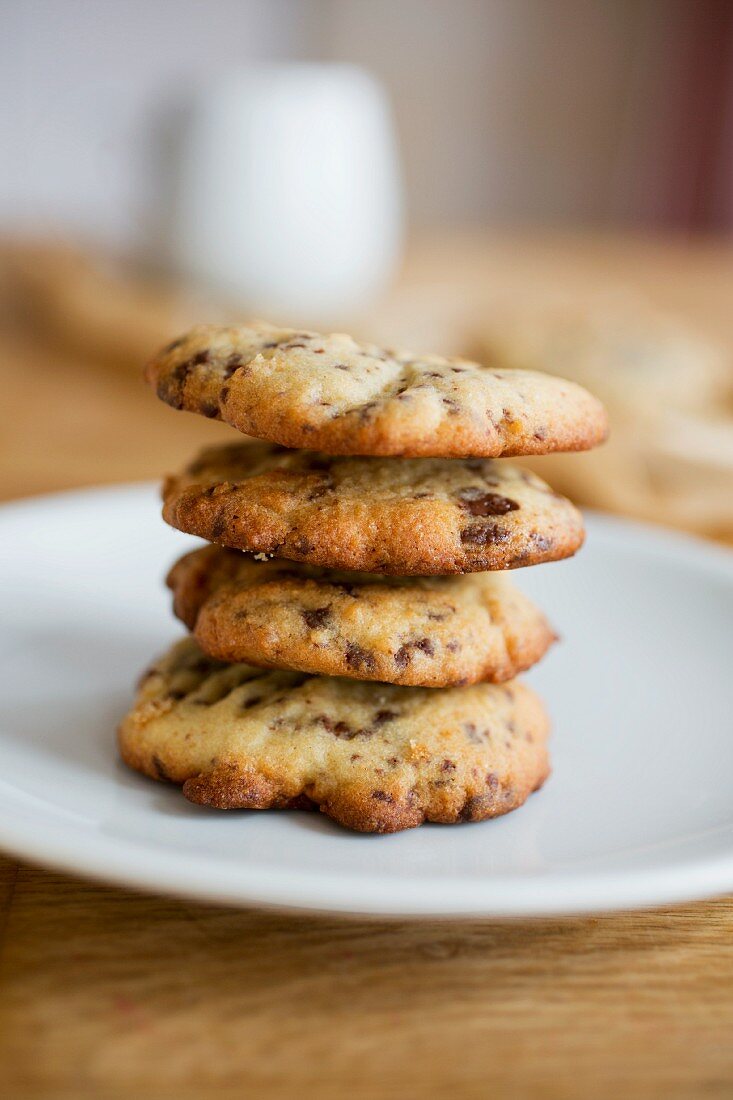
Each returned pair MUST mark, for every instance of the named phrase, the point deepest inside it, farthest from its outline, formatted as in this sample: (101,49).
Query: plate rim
(118,861)
(107,861)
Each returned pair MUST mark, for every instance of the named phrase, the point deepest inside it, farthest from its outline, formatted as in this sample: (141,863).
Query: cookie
(376,758)
(419,516)
(328,393)
(424,632)
(668,390)
(641,362)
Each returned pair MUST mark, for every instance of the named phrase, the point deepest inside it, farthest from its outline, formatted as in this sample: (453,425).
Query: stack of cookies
(354,636)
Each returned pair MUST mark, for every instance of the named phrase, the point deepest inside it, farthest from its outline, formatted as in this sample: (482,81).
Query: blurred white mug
(287,190)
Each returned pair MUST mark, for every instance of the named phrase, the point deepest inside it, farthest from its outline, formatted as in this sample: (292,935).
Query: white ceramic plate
(638,810)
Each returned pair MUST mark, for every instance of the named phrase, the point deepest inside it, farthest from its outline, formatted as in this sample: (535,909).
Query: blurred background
(541,183)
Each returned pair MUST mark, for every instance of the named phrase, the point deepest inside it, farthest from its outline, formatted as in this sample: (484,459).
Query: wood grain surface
(105,993)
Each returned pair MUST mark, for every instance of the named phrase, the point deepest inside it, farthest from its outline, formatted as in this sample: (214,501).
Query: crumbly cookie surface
(376,758)
(405,517)
(328,393)
(419,631)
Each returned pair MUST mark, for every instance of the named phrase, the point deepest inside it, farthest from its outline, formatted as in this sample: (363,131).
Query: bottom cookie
(375,757)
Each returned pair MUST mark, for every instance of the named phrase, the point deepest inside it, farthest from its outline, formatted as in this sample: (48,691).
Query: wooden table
(106,993)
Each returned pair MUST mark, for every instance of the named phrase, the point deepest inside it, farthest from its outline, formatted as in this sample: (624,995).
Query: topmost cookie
(329,393)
